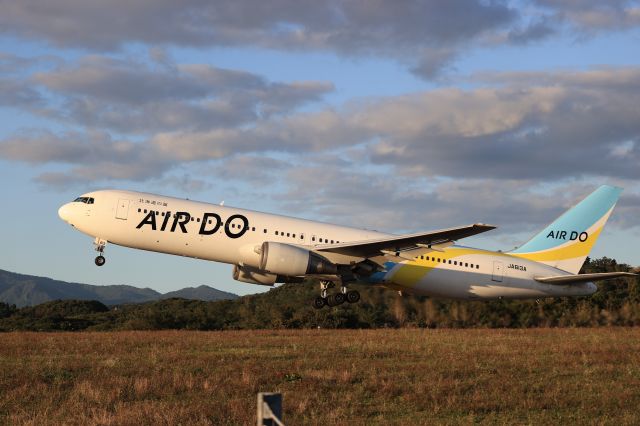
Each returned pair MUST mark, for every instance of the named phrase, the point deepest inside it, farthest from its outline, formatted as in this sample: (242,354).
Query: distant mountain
(203,292)
(27,290)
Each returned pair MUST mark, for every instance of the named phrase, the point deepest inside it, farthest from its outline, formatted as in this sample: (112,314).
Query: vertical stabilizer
(566,243)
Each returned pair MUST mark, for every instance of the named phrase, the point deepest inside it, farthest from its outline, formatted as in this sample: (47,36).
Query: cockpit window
(86,200)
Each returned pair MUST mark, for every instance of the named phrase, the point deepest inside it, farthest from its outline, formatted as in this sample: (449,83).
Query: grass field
(535,376)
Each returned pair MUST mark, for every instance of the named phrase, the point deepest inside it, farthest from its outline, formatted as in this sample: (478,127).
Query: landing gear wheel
(100,245)
(335,299)
(353,296)
(319,302)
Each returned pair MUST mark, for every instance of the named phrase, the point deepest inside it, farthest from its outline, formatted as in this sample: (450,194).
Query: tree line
(288,306)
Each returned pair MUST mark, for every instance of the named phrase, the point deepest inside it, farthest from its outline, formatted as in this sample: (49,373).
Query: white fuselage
(231,235)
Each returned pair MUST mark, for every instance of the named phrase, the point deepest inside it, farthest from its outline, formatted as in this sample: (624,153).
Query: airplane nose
(64,212)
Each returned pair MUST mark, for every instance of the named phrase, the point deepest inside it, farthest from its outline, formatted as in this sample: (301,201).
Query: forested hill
(27,290)
(288,306)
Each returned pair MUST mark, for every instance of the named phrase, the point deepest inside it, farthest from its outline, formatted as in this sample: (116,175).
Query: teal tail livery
(266,249)
(566,243)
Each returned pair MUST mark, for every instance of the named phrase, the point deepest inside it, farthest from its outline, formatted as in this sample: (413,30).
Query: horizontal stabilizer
(582,278)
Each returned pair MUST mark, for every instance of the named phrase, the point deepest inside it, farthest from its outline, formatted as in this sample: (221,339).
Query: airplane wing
(404,243)
(582,278)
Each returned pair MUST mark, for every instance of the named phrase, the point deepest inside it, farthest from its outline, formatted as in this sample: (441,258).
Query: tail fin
(566,243)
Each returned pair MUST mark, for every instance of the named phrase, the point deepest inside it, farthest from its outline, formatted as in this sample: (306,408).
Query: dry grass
(537,376)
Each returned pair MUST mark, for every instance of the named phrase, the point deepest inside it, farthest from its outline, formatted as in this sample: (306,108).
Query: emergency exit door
(122,210)
(498,271)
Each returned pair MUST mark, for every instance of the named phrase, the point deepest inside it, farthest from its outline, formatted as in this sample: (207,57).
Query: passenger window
(288,234)
(466,265)
(276,232)
(265,231)
(449,262)
(313,238)
(477,266)
(331,241)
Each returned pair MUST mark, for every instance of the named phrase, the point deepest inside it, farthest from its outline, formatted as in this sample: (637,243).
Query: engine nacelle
(285,259)
(246,274)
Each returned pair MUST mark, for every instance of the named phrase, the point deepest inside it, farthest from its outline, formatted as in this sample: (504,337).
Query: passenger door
(498,271)
(122,210)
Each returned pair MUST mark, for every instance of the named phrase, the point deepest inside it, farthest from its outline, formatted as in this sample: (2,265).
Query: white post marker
(269,409)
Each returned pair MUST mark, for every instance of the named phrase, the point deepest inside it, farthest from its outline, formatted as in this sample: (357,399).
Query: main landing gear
(334,299)
(100,245)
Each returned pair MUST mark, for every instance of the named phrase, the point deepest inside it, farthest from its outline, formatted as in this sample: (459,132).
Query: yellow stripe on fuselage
(411,272)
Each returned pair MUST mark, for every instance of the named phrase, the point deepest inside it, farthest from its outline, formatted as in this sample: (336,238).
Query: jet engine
(250,275)
(289,260)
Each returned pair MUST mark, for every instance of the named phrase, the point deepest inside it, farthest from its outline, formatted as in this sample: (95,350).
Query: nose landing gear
(100,245)
(334,299)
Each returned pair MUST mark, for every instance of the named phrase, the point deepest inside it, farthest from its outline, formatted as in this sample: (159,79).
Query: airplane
(267,248)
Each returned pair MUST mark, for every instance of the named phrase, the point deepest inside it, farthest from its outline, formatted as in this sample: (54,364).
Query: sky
(396,116)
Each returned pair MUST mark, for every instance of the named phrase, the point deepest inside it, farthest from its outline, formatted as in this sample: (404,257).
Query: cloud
(373,199)
(253,169)
(18,94)
(120,81)
(529,129)
(135,97)
(540,126)
(10,63)
(405,204)
(426,35)
(533,32)
(354,27)
(592,16)
(515,127)
(93,156)
(433,62)
(304,132)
